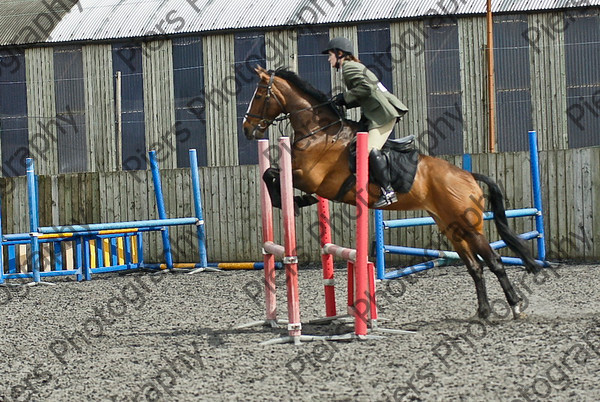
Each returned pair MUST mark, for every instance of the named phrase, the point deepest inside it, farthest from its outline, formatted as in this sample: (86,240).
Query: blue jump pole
(379,245)
(200,231)
(160,203)
(427,220)
(537,195)
(93,228)
(1,246)
(33,219)
(467,162)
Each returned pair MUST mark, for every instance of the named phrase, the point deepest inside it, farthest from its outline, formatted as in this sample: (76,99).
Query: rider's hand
(338,100)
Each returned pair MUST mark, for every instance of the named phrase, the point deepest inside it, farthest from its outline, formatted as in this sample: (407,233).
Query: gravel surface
(140,336)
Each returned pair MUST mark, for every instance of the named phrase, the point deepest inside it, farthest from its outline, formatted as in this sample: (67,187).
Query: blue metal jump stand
(198,220)
(34,222)
(200,229)
(160,204)
(444,257)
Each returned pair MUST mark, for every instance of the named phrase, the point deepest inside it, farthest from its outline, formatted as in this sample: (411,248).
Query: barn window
(444,109)
(13,113)
(312,65)
(190,112)
(582,55)
(127,58)
(249,51)
(374,51)
(70,109)
(513,84)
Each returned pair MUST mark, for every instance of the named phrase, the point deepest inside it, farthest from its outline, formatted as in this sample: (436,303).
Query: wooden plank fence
(571,196)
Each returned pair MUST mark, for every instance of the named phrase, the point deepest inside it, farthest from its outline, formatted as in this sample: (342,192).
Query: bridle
(265,122)
(262,118)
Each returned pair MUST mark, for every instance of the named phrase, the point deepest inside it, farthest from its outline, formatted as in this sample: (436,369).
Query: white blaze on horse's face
(249,106)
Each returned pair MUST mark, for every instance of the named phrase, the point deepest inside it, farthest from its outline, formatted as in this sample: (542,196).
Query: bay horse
(320,163)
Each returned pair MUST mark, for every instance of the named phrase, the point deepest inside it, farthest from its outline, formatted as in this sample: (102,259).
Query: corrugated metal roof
(26,21)
(113,19)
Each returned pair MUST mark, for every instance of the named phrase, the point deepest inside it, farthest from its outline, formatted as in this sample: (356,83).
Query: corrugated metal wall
(41,109)
(582,42)
(408,54)
(159,104)
(472,34)
(218,52)
(100,108)
(282,52)
(548,82)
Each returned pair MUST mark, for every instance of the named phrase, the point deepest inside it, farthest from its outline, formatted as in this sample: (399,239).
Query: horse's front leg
(272,178)
(304,200)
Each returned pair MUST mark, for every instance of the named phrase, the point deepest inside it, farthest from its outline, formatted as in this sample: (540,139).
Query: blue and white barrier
(83,250)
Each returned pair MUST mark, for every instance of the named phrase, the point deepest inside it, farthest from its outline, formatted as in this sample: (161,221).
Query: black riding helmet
(342,44)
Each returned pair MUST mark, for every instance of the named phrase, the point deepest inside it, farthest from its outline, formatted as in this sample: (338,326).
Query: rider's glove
(338,100)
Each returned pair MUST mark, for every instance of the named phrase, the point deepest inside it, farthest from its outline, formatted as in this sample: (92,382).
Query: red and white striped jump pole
(287,252)
(327,258)
(290,259)
(361,285)
(362,295)
(264,162)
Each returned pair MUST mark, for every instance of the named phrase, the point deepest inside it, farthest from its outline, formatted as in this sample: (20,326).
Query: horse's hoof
(517,313)
(484,314)
(480,316)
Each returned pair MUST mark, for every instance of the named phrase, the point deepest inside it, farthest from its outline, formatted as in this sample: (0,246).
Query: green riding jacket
(378,105)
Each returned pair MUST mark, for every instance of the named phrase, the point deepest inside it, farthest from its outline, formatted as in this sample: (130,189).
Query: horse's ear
(262,73)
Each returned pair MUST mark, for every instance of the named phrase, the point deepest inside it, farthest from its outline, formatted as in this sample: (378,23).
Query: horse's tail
(512,240)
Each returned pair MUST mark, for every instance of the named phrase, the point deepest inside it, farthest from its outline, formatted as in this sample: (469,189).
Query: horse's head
(264,107)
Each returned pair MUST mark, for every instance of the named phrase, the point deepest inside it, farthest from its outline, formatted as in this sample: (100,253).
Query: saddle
(402,160)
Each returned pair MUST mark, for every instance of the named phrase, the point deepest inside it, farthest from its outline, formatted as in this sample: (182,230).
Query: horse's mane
(303,86)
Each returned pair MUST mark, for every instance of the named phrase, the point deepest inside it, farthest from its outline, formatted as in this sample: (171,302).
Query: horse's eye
(257,96)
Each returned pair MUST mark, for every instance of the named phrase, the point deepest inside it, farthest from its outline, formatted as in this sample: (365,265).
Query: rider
(379,107)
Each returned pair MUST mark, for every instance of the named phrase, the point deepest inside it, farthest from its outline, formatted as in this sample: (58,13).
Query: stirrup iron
(388,197)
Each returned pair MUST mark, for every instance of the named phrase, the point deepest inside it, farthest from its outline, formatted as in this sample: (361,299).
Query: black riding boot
(379,169)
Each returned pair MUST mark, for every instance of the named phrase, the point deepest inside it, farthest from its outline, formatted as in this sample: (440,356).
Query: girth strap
(347,185)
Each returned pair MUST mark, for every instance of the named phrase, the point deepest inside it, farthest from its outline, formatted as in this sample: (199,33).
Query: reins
(288,115)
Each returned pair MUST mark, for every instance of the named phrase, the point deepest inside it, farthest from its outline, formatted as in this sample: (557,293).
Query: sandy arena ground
(171,337)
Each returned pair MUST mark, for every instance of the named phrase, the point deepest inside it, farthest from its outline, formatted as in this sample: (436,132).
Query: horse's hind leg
(475,268)
(461,236)
(492,259)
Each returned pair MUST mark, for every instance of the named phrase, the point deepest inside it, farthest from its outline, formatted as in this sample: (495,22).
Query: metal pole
(1,246)
(362,296)
(160,204)
(33,219)
(198,209)
(326,258)
(379,243)
(118,110)
(491,79)
(267,232)
(467,162)
(537,194)
(289,234)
